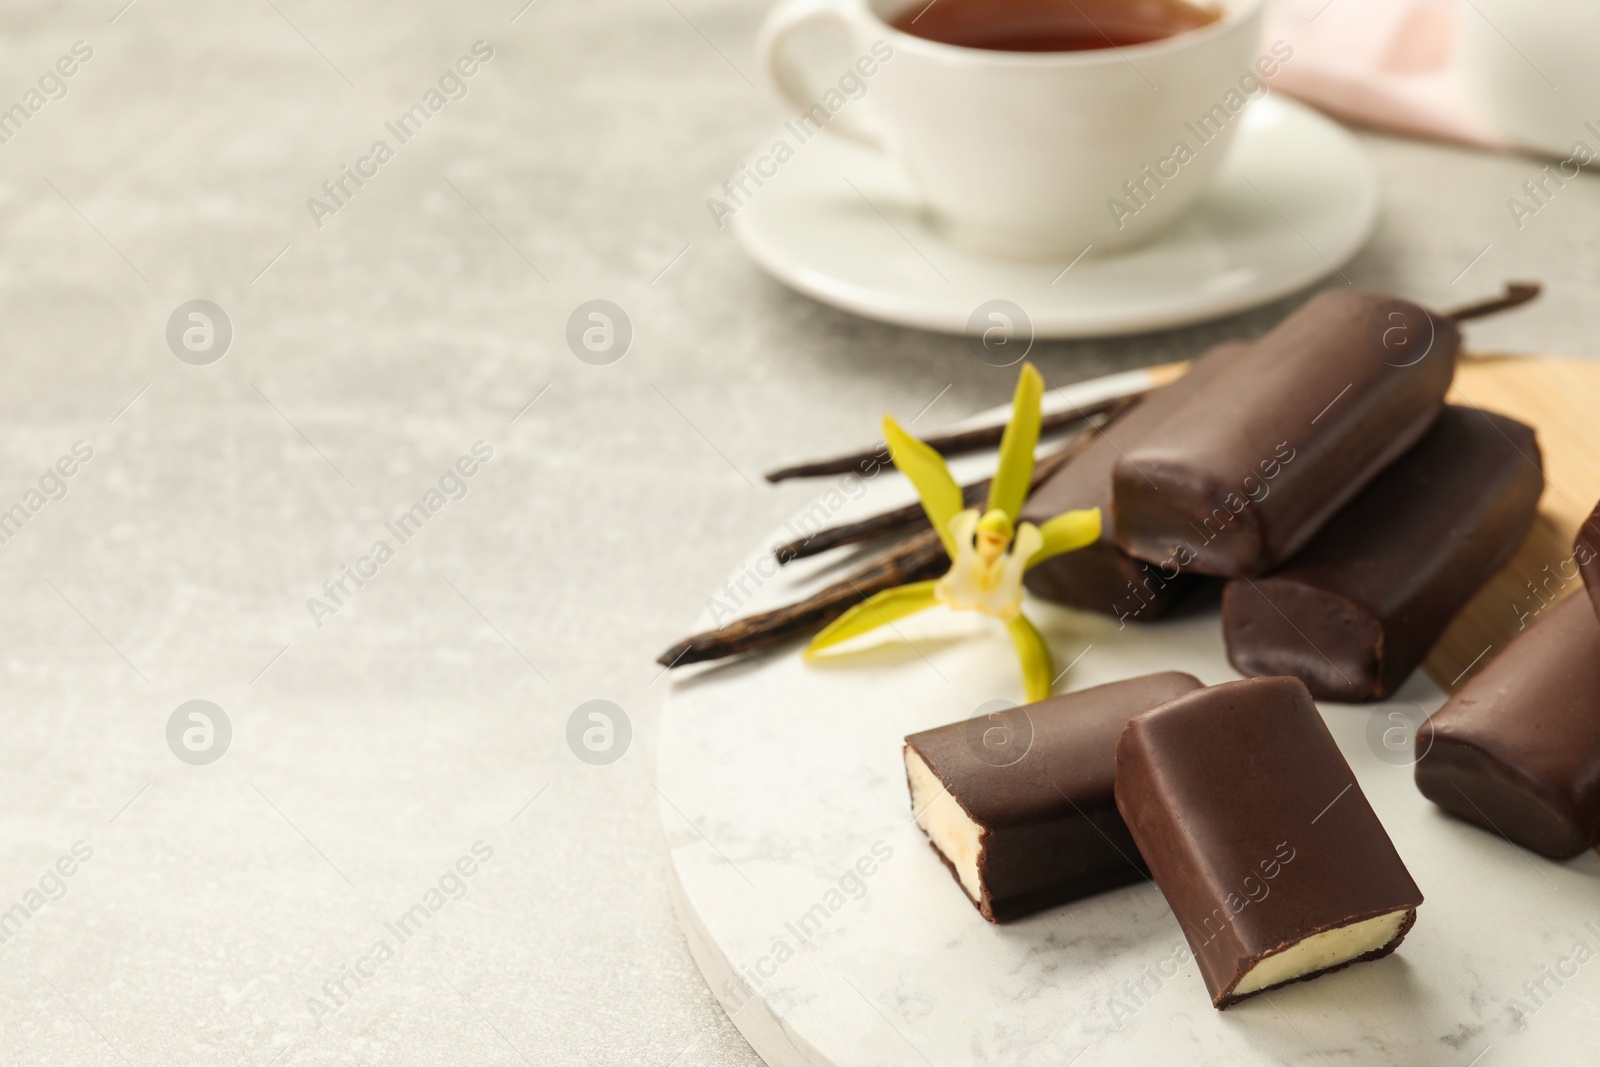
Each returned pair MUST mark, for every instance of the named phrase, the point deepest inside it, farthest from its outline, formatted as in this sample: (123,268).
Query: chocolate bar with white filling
(1020,804)
(1258,835)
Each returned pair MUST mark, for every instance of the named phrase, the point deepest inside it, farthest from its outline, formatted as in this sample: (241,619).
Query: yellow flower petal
(941,496)
(1067,532)
(1010,486)
(880,609)
(1035,657)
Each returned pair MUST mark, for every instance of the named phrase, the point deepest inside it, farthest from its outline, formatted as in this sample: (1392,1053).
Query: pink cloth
(1389,64)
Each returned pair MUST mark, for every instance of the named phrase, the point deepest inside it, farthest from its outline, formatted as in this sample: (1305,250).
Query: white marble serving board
(781,782)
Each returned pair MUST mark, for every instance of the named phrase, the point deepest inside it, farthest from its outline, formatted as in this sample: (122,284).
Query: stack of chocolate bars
(1320,472)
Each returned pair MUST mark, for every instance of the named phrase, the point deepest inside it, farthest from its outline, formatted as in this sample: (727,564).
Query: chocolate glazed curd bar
(1259,837)
(1021,807)
(1252,464)
(1517,750)
(1102,577)
(1361,605)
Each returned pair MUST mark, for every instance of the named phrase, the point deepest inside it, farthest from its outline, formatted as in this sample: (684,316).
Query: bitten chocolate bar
(1020,805)
(1256,461)
(1361,605)
(1517,750)
(1102,577)
(1259,837)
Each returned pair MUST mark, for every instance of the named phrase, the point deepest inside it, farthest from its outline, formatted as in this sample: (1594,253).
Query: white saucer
(1296,199)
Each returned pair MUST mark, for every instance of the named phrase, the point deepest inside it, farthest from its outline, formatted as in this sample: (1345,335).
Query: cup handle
(798,90)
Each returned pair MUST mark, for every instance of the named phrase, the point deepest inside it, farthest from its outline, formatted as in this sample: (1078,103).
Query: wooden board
(1558,398)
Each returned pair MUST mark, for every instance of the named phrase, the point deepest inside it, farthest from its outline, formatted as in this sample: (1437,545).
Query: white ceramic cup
(1532,70)
(1027,154)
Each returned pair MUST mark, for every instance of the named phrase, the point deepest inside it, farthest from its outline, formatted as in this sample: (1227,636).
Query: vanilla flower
(989,551)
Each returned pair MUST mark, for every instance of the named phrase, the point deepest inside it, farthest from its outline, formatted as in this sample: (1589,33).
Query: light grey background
(424,715)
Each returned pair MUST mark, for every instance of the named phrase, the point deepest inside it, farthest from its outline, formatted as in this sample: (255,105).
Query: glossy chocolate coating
(1361,605)
(1102,577)
(1050,828)
(1254,463)
(1586,553)
(1254,827)
(1517,750)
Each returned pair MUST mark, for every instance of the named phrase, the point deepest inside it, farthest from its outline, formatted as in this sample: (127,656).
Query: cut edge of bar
(951,831)
(1278,965)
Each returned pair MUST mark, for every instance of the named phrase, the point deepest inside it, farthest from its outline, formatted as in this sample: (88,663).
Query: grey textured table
(230,913)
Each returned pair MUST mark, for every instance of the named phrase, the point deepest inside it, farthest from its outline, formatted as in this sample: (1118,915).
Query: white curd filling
(950,829)
(1321,951)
